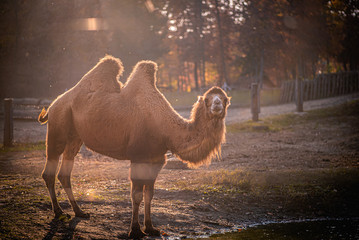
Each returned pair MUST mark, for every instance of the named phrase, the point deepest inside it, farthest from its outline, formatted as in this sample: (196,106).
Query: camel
(131,121)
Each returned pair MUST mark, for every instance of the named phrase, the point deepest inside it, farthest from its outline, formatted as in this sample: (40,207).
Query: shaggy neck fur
(201,137)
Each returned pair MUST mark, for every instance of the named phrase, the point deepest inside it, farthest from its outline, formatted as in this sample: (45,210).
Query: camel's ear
(200,99)
(229,101)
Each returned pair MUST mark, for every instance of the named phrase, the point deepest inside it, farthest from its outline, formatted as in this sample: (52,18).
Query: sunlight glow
(90,24)
(172,28)
(91,194)
(149,5)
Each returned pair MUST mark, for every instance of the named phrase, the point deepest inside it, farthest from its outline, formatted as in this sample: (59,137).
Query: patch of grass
(242,97)
(235,179)
(219,181)
(270,96)
(347,109)
(330,192)
(269,124)
(284,121)
(21,147)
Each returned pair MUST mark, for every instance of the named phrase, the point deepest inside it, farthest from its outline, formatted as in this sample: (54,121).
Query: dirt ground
(307,169)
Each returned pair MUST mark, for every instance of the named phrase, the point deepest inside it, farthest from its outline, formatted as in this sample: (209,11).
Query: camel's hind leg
(71,149)
(53,152)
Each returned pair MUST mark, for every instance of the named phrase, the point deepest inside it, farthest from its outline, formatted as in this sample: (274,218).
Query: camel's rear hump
(143,73)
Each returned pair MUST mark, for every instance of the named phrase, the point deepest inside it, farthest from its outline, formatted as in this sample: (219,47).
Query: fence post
(299,94)
(254,101)
(281,93)
(8,122)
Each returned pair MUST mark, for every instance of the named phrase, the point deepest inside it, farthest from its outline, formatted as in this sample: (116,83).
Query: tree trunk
(203,72)
(201,43)
(188,77)
(222,64)
(261,66)
(314,69)
(198,25)
(170,81)
(195,71)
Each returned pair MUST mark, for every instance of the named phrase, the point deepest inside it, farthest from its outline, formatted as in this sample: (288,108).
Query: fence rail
(19,108)
(25,108)
(323,86)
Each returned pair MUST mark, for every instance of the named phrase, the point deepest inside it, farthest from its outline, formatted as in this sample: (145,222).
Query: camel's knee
(65,180)
(149,189)
(137,198)
(65,172)
(143,177)
(49,179)
(49,172)
(137,192)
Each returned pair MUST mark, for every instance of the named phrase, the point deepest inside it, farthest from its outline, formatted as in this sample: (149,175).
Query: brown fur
(133,121)
(105,75)
(208,131)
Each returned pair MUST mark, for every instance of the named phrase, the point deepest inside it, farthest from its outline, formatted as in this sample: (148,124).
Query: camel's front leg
(136,197)
(143,176)
(149,190)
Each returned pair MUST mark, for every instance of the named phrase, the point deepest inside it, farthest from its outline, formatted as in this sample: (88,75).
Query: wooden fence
(20,109)
(323,86)
(25,108)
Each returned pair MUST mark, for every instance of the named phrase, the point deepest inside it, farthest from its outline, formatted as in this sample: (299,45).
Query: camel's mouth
(217,105)
(216,109)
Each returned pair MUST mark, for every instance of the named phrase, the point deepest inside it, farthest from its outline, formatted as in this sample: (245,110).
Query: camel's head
(216,102)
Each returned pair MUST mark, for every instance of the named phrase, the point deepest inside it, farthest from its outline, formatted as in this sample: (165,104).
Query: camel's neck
(198,139)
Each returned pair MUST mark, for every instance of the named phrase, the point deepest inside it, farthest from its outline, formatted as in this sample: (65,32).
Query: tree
(222,61)
(136,33)
(47,46)
(186,21)
(261,36)
(344,23)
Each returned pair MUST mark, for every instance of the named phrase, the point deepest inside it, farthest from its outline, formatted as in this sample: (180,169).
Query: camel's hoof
(151,231)
(82,215)
(136,234)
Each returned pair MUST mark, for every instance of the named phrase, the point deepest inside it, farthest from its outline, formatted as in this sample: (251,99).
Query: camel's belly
(139,157)
(117,153)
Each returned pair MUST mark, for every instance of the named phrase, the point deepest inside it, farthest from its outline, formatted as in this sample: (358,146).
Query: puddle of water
(316,230)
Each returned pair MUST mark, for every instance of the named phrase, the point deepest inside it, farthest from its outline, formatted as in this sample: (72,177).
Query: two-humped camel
(133,121)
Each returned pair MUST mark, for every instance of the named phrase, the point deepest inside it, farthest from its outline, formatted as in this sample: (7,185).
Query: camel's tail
(43,117)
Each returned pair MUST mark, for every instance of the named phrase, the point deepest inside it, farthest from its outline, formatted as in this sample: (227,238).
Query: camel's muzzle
(216,110)
(217,106)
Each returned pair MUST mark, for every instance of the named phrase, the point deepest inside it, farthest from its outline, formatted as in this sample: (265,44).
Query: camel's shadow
(66,228)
